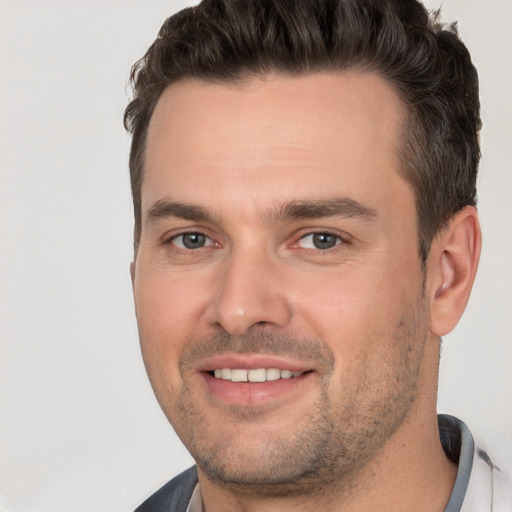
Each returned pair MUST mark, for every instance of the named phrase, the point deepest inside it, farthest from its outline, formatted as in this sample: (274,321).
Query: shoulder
(483,482)
(174,495)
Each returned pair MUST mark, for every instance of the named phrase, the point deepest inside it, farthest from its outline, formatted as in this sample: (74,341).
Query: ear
(451,266)
(132,271)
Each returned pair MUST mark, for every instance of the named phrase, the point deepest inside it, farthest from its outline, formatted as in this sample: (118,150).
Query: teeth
(238,375)
(273,374)
(257,375)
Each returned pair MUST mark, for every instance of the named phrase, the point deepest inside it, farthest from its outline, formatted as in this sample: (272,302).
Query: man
(303,177)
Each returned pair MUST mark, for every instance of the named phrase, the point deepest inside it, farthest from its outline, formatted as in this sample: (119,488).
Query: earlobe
(453,261)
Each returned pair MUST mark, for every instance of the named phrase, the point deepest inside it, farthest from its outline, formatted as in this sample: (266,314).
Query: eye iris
(324,240)
(193,240)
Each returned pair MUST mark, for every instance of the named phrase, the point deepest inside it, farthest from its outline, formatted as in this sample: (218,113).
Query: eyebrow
(316,209)
(163,209)
(291,210)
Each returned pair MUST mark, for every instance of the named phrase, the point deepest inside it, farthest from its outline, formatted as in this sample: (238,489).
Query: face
(278,286)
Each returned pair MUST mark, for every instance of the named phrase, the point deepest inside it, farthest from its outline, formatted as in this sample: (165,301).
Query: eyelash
(340,240)
(172,241)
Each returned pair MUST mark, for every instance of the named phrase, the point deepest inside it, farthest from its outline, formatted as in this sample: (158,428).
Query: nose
(250,292)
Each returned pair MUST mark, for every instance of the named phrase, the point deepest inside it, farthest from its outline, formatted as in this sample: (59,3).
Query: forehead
(272,135)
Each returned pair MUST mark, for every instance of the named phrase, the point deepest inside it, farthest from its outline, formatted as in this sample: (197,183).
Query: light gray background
(80,428)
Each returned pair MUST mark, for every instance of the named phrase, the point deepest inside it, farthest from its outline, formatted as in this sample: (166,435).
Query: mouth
(253,379)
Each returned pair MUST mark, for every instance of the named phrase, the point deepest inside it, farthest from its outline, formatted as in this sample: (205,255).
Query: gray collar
(459,447)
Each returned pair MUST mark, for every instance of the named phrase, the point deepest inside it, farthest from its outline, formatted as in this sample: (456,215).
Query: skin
(237,164)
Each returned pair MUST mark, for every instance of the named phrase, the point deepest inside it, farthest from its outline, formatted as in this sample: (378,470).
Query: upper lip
(251,362)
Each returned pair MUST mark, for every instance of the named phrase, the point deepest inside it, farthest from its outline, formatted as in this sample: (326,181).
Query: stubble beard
(332,443)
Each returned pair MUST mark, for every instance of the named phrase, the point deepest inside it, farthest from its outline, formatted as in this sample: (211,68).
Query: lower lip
(253,393)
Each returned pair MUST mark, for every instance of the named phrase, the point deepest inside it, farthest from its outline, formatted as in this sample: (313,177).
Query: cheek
(346,304)
(360,316)
(167,311)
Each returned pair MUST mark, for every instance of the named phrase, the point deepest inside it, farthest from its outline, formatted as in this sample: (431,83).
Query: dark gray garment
(174,496)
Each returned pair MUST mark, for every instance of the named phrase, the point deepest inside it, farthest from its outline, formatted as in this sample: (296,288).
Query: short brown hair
(426,63)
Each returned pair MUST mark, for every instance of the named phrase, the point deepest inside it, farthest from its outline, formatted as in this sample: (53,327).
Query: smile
(254,375)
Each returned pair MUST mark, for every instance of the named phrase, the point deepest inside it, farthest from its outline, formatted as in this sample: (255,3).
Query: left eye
(321,241)
(191,241)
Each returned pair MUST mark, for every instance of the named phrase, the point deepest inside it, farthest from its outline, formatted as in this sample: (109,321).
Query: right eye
(190,241)
(320,241)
